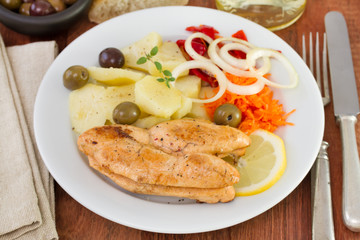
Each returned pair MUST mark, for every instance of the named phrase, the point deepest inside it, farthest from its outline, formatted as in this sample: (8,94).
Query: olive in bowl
(37,23)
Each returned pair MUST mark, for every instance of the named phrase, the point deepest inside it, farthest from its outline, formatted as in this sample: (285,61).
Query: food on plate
(184,119)
(184,136)
(156,98)
(149,121)
(111,57)
(93,105)
(207,195)
(259,111)
(227,114)
(102,10)
(126,113)
(75,77)
(262,165)
(115,76)
(139,48)
(128,151)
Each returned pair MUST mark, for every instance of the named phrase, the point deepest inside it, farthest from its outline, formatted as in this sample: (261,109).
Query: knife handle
(351,174)
(322,217)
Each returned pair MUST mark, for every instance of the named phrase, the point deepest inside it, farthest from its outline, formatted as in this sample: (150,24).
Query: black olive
(111,57)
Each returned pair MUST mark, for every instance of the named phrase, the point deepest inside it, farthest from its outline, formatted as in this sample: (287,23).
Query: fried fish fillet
(184,136)
(116,148)
(208,195)
(175,158)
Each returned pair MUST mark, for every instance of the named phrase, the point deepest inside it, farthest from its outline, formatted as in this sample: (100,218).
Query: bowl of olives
(41,17)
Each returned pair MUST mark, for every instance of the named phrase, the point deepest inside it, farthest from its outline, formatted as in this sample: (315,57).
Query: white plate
(70,169)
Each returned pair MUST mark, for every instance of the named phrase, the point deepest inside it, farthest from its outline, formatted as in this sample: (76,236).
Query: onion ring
(256,53)
(214,56)
(191,51)
(235,62)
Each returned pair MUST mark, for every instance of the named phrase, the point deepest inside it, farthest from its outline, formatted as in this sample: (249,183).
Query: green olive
(59,5)
(227,114)
(75,77)
(11,4)
(25,9)
(126,113)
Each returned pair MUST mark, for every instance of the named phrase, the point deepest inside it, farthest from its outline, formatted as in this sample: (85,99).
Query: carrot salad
(258,111)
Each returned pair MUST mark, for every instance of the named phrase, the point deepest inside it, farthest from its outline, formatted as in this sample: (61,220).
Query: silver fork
(322,217)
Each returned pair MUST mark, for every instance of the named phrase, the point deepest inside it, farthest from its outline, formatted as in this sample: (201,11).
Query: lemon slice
(262,165)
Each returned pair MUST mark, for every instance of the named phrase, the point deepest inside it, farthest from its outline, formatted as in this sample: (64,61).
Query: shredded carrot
(258,111)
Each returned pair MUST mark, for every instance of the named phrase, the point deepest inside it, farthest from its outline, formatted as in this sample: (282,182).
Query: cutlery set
(346,108)
(322,219)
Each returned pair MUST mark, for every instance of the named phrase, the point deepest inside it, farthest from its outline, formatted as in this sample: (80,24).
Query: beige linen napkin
(27,204)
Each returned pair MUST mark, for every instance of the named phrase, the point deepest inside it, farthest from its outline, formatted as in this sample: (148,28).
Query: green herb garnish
(167,75)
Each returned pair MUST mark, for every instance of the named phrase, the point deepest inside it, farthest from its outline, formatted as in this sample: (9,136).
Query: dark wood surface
(291,218)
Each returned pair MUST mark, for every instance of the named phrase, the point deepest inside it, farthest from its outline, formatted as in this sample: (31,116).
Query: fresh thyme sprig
(167,75)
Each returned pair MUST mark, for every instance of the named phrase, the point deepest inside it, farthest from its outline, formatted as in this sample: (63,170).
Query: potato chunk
(156,98)
(186,106)
(149,121)
(92,104)
(170,56)
(139,49)
(189,86)
(115,76)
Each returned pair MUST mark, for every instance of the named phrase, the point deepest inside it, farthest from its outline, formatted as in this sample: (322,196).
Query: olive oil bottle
(272,14)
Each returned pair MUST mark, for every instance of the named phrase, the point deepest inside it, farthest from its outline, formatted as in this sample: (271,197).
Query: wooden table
(291,218)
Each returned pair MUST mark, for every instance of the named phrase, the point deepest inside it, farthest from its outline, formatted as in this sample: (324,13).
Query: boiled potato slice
(139,49)
(198,111)
(115,76)
(189,86)
(149,121)
(92,104)
(156,98)
(116,95)
(170,56)
(186,105)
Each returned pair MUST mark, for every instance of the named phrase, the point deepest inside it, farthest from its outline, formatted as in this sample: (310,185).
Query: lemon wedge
(262,165)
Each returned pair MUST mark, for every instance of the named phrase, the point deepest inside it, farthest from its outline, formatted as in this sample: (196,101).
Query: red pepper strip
(203,76)
(197,72)
(235,53)
(241,35)
(210,31)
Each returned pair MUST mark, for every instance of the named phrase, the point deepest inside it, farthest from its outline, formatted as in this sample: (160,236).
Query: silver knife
(346,108)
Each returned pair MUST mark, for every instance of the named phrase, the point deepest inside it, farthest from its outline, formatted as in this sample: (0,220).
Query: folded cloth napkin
(27,203)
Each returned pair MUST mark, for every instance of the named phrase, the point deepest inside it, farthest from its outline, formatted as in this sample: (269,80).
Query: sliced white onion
(246,89)
(208,66)
(257,53)
(191,51)
(235,62)
(214,56)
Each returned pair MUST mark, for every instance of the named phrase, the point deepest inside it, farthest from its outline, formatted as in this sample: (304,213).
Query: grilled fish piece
(118,149)
(207,195)
(196,135)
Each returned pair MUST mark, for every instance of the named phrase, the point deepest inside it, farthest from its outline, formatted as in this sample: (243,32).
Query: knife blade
(346,108)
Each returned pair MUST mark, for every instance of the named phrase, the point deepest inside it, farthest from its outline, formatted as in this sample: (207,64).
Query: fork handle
(351,173)
(322,217)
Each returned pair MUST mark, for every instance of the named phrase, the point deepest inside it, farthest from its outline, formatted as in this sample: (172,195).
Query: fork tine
(317,61)
(326,98)
(311,57)
(304,48)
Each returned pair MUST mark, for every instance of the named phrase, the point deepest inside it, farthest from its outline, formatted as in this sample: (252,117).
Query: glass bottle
(272,14)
